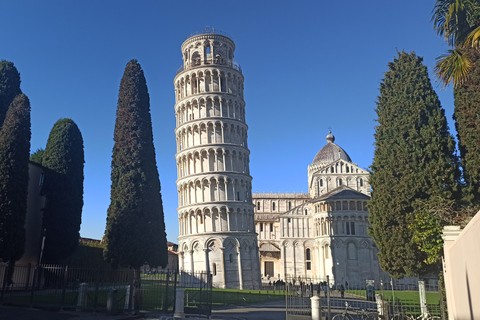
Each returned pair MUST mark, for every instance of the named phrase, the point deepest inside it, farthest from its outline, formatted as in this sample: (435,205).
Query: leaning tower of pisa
(215,210)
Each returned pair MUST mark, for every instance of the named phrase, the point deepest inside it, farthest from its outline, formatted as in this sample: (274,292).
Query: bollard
(127,298)
(316,303)
(82,296)
(380,305)
(112,302)
(179,303)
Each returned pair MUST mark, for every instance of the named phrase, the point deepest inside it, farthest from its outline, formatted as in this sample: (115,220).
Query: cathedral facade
(215,209)
(323,232)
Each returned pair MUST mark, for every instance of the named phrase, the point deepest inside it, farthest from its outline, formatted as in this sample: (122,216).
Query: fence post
(328,297)
(64,287)
(316,303)
(179,303)
(128,298)
(165,298)
(5,279)
(34,284)
(82,296)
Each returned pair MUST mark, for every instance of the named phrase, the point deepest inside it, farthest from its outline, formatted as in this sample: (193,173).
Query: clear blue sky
(308,66)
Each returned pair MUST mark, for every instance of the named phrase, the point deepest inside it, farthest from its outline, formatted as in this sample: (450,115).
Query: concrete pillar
(82,296)
(316,303)
(179,303)
(380,305)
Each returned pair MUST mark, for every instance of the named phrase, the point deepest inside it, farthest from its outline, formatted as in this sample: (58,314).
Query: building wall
(461,270)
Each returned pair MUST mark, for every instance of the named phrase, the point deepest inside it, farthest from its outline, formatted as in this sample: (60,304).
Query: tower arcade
(215,209)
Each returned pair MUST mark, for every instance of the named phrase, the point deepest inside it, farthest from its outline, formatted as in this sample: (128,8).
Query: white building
(215,209)
(322,232)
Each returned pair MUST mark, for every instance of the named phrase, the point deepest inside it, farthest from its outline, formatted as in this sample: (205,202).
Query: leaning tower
(215,210)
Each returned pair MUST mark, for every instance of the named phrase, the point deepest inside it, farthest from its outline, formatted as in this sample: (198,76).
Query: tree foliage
(430,216)
(467,124)
(458,21)
(135,232)
(14,153)
(63,186)
(413,161)
(37,156)
(9,86)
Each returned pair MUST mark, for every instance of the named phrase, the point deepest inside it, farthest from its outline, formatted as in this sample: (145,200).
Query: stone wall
(461,270)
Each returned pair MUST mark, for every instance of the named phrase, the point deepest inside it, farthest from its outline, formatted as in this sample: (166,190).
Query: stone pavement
(264,311)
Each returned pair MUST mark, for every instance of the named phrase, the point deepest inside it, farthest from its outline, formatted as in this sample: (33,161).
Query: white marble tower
(215,209)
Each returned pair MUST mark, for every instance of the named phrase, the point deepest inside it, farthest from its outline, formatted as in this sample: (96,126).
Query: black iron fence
(392,299)
(64,287)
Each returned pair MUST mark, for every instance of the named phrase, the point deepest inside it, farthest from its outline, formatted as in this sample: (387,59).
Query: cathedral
(323,232)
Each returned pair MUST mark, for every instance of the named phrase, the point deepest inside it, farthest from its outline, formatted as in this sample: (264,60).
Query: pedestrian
(325,288)
(342,290)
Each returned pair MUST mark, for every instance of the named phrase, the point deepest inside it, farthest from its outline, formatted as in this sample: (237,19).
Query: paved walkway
(264,311)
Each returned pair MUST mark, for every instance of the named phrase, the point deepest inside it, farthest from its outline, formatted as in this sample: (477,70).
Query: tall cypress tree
(9,86)
(414,160)
(14,154)
(467,123)
(64,159)
(135,232)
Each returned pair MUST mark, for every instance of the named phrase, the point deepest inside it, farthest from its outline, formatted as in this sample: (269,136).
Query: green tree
(37,156)
(9,86)
(14,153)
(467,124)
(135,232)
(64,159)
(459,22)
(414,160)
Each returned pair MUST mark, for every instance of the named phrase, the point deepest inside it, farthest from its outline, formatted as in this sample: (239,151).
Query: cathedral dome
(330,152)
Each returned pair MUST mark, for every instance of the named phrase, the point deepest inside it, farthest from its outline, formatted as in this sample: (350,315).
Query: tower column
(240,274)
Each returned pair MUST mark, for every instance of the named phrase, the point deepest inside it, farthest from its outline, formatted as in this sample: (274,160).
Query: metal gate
(334,299)
(198,292)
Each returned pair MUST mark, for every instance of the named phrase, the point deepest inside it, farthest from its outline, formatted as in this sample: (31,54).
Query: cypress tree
(467,124)
(414,160)
(135,232)
(14,153)
(9,86)
(64,159)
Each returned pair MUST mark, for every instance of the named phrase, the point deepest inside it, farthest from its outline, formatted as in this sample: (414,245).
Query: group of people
(308,289)
(324,286)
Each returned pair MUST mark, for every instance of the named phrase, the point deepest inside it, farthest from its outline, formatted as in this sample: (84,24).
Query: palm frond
(449,19)
(473,38)
(453,66)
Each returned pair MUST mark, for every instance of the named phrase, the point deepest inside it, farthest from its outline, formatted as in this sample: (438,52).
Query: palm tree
(459,22)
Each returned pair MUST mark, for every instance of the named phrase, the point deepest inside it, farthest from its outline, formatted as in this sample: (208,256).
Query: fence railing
(86,289)
(390,299)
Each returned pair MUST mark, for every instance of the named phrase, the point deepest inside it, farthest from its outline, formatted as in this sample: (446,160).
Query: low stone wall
(461,270)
